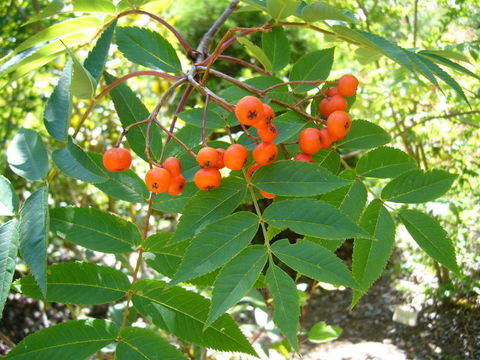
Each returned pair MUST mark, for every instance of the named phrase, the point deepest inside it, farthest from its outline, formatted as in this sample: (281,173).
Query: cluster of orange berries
(250,111)
(333,108)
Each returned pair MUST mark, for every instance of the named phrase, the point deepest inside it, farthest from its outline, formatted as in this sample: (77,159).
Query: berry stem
(175,138)
(243,63)
(179,108)
(139,259)
(127,129)
(206,91)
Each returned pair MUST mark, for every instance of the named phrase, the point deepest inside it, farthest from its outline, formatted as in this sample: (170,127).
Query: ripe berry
(265,153)
(309,141)
(158,180)
(331,104)
(177,185)
(268,116)
(338,124)
(207,157)
(252,168)
(347,85)
(117,159)
(303,157)
(207,178)
(249,110)
(332,91)
(326,138)
(172,164)
(267,195)
(235,156)
(268,133)
(220,163)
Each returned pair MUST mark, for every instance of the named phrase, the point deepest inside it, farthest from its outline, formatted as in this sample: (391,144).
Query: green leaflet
(364,135)
(34,224)
(256,52)
(320,10)
(208,206)
(328,159)
(235,280)
(315,65)
(216,244)
(147,48)
(56,116)
(78,283)
(285,303)
(27,156)
(145,344)
(72,340)
(276,47)
(279,9)
(184,313)
(73,161)
(321,333)
(9,237)
(384,162)
(431,237)
(95,229)
(418,186)
(296,178)
(8,198)
(95,61)
(314,218)
(350,199)
(82,84)
(314,261)
(175,204)
(94,6)
(371,257)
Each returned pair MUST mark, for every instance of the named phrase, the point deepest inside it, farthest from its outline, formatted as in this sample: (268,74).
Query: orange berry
(265,153)
(332,91)
(268,116)
(309,141)
(338,124)
(249,110)
(158,180)
(220,163)
(207,157)
(207,178)
(267,195)
(117,159)
(235,156)
(326,138)
(331,104)
(177,185)
(303,157)
(252,168)
(347,85)
(172,164)
(268,133)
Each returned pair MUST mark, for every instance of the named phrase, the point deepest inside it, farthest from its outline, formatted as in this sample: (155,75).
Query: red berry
(235,156)
(158,180)
(309,141)
(332,91)
(267,195)
(303,157)
(249,110)
(220,163)
(177,185)
(207,178)
(265,153)
(268,133)
(326,138)
(117,159)
(331,104)
(347,85)
(268,116)
(172,164)
(338,124)
(207,157)
(252,168)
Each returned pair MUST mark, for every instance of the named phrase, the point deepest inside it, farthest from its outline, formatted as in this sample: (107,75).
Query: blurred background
(417,310)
